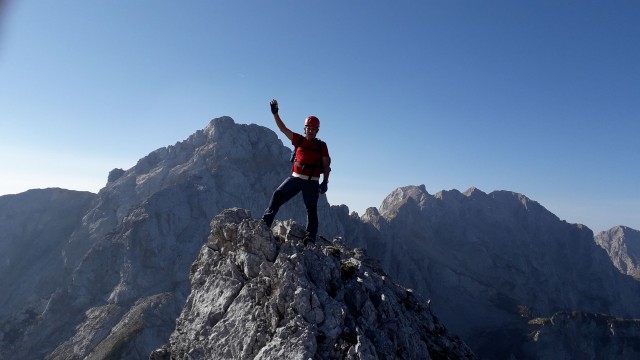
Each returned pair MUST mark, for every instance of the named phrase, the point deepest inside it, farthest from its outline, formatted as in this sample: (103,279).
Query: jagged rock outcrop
(490,261)
(258,295)
(114,175)
(580,335)
(623,246)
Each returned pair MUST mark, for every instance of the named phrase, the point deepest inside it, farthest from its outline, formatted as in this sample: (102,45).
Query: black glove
(274,107)
(323,187)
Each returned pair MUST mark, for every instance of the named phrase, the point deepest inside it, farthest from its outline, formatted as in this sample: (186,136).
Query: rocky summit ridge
(262,294)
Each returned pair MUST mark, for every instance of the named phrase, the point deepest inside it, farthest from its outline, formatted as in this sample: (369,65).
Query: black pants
(288,189)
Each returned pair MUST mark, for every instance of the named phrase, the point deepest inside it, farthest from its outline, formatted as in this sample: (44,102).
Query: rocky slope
(579,335)
(258,295)
(34,228)
(490,261)
(623,246)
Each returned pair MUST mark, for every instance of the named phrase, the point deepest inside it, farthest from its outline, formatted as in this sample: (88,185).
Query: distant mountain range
(106,275)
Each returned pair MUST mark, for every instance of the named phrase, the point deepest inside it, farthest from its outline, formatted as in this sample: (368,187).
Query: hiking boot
(264,222)
(309,239)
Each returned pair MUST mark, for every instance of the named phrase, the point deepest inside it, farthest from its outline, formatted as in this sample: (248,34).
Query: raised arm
(283,128)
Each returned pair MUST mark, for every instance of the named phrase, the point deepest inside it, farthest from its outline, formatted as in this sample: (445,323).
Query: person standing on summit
(310,160)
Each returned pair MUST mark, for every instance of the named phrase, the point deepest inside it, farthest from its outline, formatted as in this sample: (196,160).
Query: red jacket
(309,154)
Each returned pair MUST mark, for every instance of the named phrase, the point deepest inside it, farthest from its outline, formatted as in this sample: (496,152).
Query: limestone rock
(34,229)
(263,295)
(581,335)
(487,259)
(114,175)
(623,246)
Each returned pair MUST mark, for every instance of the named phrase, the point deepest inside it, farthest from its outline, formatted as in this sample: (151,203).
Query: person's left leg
(310,196)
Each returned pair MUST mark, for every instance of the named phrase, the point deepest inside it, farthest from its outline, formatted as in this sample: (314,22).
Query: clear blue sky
(536,97)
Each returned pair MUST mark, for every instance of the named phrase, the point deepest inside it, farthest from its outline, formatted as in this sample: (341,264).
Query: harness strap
(303,166)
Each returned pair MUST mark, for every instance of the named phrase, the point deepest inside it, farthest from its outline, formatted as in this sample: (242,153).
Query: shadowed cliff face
(263,295)
(34,228)
(579,335)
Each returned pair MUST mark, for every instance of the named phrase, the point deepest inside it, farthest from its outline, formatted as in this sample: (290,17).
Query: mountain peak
(448,195)
(258,293)
(622,244)
(474,192)
(400,196)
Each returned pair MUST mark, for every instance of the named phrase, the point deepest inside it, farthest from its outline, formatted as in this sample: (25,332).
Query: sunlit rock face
(623,246)
(258,294)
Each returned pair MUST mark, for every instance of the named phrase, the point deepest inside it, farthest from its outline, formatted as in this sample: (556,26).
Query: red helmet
(312,121)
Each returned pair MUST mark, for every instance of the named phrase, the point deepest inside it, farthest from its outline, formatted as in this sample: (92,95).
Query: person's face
(310,132)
